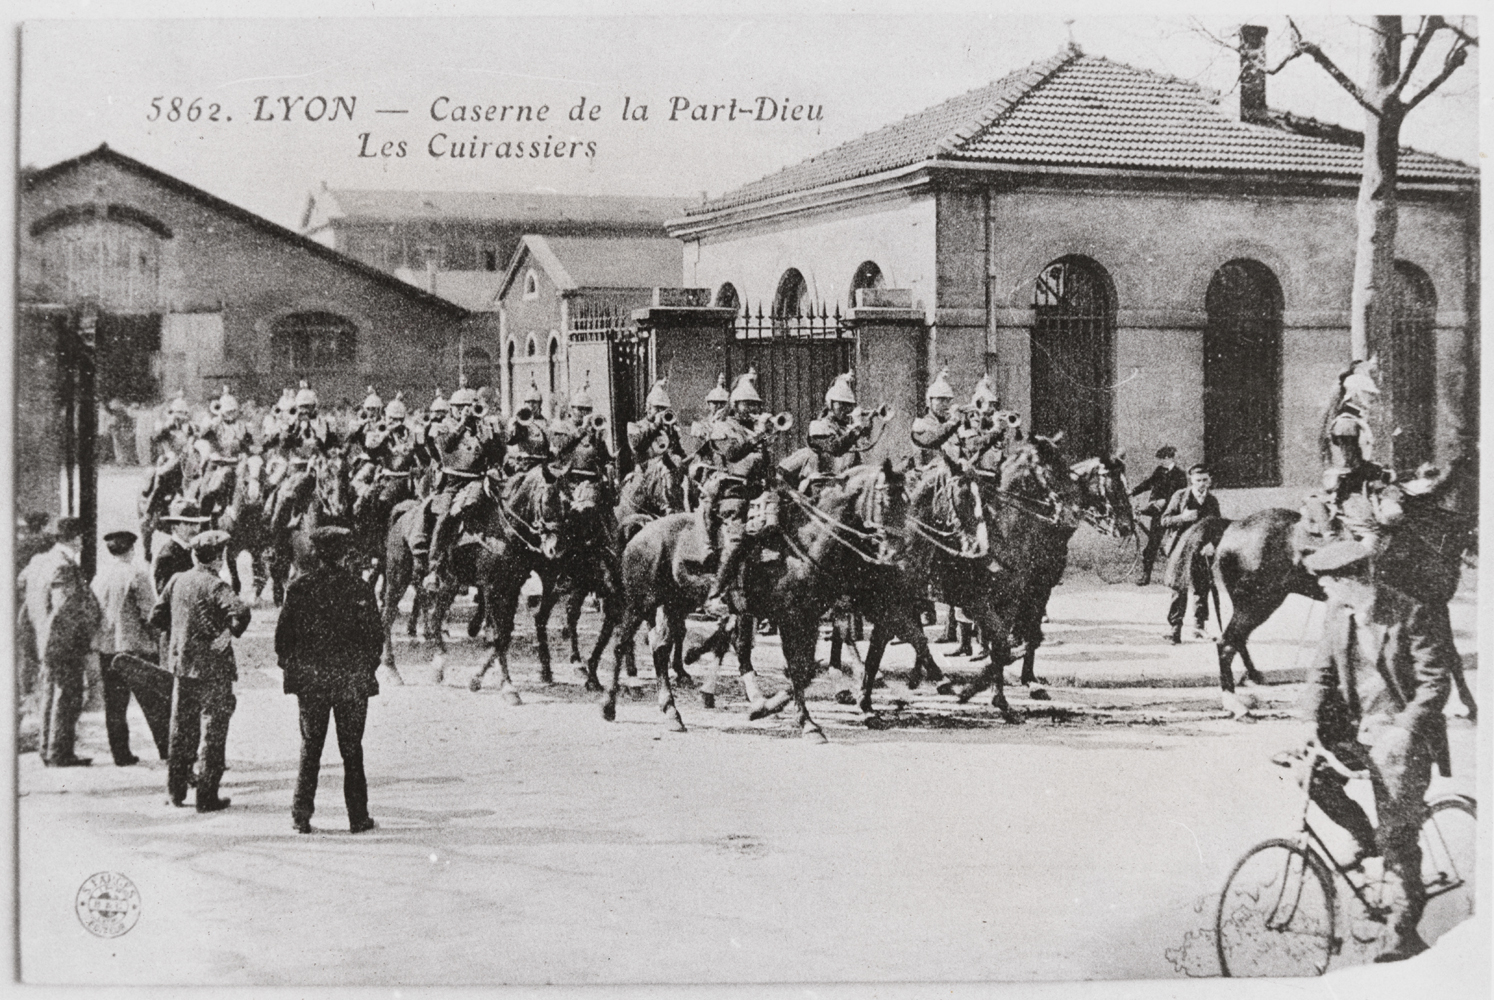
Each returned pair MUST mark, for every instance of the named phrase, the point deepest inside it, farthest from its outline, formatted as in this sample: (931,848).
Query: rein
(837,530)
(511,521)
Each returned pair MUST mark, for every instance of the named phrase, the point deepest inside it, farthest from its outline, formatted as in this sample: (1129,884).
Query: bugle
(667,418)
(781,422)
(479,409)
(523,415)
(597,422)
(861,416)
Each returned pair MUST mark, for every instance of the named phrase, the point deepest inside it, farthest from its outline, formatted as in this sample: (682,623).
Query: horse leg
(395,581)
(500,604)
(798,638)
(627,633)
(549,597)
(867,670)
(474,625)
(572,619)
(674,624)
(233,574)
(1252,608)
(609,625)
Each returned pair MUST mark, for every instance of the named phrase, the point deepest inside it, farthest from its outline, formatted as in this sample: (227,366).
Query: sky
(89,81)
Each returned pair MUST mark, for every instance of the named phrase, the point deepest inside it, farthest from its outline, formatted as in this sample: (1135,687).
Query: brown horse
(324,499)
(549,523)
(243,517)
(823,550)
(1258,563)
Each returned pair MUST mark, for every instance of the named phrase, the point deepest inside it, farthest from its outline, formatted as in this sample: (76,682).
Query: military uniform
(468,447)
(391,460)
(201,615)
(304,438)
(742,468)
(175,465)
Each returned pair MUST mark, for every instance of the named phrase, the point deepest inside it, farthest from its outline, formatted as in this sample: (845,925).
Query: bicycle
(1278,911)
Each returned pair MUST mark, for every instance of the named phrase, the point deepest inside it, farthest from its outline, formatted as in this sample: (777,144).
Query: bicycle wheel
(1276,914)
(1449,841)
(1118,559)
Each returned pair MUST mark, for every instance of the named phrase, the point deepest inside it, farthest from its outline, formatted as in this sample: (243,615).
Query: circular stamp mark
(108,904)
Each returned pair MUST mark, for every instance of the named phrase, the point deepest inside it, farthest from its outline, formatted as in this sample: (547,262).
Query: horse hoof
(546,677)
(1038,694)
(873,720)
(672,721)
(592,684)
(813,734)
(1238,705)
(769,706)
(964,696)
(575,657)
(945,687)
(609,711)
(510,696)
(845,698)
(707,700)
(636,693)
(914,681)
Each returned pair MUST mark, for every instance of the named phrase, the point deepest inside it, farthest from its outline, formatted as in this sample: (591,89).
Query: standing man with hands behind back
(328,641)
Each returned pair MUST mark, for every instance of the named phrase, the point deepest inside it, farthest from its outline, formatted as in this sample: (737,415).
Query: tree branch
(1424,35)
(1321,58)
(1455,58)
(1466,38)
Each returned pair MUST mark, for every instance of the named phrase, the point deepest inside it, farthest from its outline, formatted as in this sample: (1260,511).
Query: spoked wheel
(1118,559)
(1449,841)
(1276,914)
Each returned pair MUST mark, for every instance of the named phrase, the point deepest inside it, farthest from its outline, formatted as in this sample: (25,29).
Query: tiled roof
(1078,110)
(574,262)
(503,206)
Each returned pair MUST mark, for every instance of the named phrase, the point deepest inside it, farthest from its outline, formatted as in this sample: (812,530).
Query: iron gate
(796,357)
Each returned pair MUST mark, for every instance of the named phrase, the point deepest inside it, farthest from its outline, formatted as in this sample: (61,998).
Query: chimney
(1252,73)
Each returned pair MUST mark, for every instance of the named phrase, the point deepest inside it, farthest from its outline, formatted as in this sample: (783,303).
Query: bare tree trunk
(1372,300)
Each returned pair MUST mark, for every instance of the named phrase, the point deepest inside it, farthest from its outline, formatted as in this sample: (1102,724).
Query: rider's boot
(438,551)
(967,633)
(731,558)
(761,706)
(951,630)
(420,547)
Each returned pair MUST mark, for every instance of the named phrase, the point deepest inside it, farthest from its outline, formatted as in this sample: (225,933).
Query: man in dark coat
(64,617)
(1166,479)
(328,642)
(202,616)
(1186,508)
(129,650)
(184,521)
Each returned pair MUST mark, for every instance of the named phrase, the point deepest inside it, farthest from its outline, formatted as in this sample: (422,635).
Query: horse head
(249,488)
(1036,471)
(537,500)
(1104,496)
(333,490)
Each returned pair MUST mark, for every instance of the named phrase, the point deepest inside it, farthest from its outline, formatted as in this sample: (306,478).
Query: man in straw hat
(201,616)
(328,641)
(184,520)
(128,648)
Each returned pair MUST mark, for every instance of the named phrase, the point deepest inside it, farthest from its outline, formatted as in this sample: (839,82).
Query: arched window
(1242,375)
(1072,354)
(309,342)
(868,275)
(513,389)
(1411,367)
(726,297)
(792,290)
(531,285)
(554,371)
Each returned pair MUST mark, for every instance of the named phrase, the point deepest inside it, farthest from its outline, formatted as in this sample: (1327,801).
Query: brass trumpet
(777,423)
(597,422)
(667,418)
(861,416)
(479,409)
(524,415)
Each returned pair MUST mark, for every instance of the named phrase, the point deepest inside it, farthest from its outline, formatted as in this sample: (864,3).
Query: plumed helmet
(372,400)
(745,391)
(659,394)
(286,402)
(718,393)
(396,408)
(533,394)
(178,405)
(984,397)
(226,402)
(307,396)
(940,389)
(463,397)
(842,390)
(439,404)
(582,397)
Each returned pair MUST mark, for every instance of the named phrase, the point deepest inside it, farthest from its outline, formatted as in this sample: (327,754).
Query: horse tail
(1192,557)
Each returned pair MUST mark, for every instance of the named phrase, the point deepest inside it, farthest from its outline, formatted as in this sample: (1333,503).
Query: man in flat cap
(129,649)
(63,617)
(328,641)
(202,615)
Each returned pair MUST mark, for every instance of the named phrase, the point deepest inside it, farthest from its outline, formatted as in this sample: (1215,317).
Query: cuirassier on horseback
(299,440)
(175,466)
(385,475)
(467,444)
(223,446)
